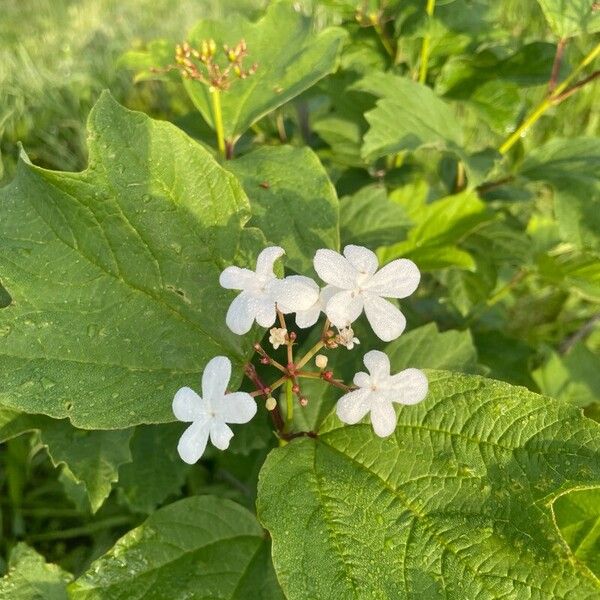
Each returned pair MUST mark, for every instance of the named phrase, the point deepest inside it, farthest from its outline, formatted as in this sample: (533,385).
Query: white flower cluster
(353,281)
(354,284)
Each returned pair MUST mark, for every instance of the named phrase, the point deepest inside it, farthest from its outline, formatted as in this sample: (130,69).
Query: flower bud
(270,403)
(303,401)
(321,361)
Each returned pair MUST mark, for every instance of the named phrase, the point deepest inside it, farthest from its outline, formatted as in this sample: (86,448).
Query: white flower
(361,286)
(261,291)
(345,337)
(377,392)
(277,337)
(210,414)
(307,318)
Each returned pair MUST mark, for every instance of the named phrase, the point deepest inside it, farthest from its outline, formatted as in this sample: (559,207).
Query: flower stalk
(555,96)
(215,96)
(426,46)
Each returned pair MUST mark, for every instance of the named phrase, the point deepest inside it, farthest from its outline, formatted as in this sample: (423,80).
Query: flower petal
(378,365)
(240,315)
(385,319)
(410,386)
(307,318)
(333,268)
(263,308)
(362,259)
(362,380)
(220,434)
(192,443)
(188,406)
(353,406)
(397,279)
(327,293)
(266,259)
(383,418)
(215,379)
(294,293)
(234,278)
(344,308)
(238,407)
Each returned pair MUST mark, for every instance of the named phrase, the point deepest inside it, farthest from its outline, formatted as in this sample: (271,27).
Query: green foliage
(138,327)
(297,217)
(30,577)
(437,230)
(196,548)
(571,17)
(455,503)
(421,117)
(578,517)
(154,472)
(110,298)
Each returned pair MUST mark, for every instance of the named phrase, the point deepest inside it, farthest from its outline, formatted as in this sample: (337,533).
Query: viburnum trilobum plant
(354,283)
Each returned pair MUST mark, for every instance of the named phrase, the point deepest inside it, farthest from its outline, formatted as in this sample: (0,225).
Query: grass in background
(56,56)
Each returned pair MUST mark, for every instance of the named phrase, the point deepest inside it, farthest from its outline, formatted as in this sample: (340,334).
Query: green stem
(548,101)
(215,95)
(85,530)
(384,39)
(310,354)
(426,47)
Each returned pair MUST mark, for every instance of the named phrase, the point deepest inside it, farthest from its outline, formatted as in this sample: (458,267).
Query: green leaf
(455,504)
(571,167)
(578,518)
(155,471)
(369,218)
(571,17)
(578,272)
(114,274)
(298,217)
(199,547)
(428,348)
(29,577)
(290,58)
(439,227)
(408,115)
(92,458)
(573,377)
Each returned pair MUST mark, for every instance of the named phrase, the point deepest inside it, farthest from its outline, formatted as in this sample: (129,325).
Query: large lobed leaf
(456,504)
(197,548)
(113,274)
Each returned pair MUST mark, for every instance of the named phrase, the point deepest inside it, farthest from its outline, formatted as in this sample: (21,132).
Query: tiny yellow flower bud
(321,361)
(270,403)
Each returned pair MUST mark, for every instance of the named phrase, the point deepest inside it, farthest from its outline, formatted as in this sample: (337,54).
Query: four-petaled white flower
(377,392)
(360,285)
(346,338)
(261,291)
(210,413)
(277,337)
